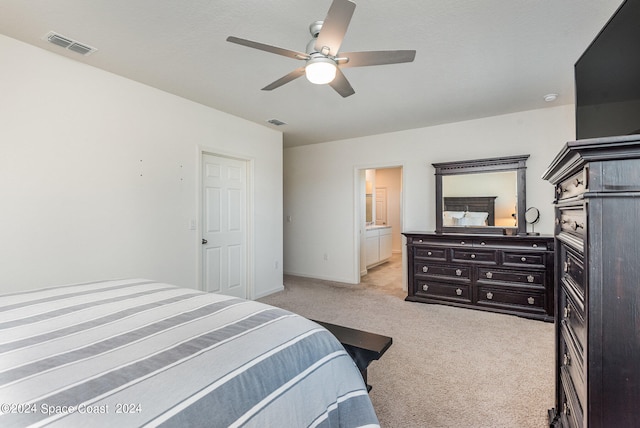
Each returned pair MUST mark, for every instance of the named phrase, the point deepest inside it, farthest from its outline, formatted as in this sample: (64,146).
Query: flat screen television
(607,78)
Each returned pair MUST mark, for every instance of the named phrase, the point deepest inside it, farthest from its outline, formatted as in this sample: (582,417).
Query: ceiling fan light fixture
(320,70)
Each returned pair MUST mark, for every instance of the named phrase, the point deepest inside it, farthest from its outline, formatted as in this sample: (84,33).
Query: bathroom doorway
(380,203)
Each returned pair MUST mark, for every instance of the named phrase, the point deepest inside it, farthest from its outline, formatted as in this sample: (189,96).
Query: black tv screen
(607,78)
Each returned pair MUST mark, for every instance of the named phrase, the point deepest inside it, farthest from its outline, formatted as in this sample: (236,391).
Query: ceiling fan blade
(335,26)
(341,84)
(285,79)
(268,48)
(362,59)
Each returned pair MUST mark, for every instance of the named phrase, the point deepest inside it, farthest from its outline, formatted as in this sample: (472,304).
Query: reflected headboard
(485,204)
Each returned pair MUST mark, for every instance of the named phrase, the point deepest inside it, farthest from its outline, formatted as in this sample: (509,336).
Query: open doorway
(379,220)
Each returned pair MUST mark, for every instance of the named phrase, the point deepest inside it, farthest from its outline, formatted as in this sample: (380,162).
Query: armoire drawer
(441,290)
(573,318)
(571,187)
(450,272)
(529,300)
(531,277)
(573,361)
(573,221)
(572,266)
(571,411)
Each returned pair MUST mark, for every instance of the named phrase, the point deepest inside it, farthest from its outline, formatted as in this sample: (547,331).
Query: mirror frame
(509,163)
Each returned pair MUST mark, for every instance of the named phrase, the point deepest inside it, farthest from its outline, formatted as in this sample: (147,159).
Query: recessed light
(550,97)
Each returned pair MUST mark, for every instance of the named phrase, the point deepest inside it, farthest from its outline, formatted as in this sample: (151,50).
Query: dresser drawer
(521,243)
(573,221)
(571,187)
(529,300)
(523,259)
(453,272)
(431,253)
(441,290)
(572,317)
(476,256)
(532,278)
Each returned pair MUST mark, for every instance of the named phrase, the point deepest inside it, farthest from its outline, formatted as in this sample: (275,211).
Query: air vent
(276,122)
(68,43)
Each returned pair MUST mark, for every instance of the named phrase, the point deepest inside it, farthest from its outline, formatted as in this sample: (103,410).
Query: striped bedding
(141,353)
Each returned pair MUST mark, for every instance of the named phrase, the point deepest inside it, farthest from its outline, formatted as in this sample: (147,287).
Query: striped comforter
(140,353)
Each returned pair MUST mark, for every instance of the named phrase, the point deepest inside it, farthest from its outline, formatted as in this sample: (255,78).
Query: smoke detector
(69,44)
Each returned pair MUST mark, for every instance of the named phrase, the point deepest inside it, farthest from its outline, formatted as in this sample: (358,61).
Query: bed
(141,353)
(469,211)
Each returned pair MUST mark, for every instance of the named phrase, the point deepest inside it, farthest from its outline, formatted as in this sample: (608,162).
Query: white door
(224,224)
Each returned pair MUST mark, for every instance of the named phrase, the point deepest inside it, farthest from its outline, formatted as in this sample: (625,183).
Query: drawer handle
(459,292)
(458,272)
(489,275)
(490,295)
(577,226)
(531,301)
(534,245)
(577,182)
(565,409)
(425,269)
(567,312)
(566,360)
(473,256)
(530,278)
(482,243)
(462,243)
(557,221)
(425,287)
(567,265)
(420,240)
(429,253)
(523,259)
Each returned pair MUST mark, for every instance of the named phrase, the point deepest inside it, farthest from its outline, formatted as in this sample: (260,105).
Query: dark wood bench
(362,346)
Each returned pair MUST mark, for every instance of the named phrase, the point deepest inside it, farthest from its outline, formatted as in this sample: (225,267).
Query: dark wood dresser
(597,184)
(507,274)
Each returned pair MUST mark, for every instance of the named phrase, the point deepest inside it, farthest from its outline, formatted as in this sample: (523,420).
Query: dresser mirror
(481,196)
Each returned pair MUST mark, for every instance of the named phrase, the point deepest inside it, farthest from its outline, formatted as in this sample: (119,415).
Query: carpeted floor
(447,367)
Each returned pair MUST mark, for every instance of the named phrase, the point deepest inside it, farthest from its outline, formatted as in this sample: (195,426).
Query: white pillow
(474,219)
(452,218)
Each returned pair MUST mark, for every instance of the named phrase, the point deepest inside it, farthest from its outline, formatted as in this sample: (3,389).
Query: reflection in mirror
(481,196)
(468,197)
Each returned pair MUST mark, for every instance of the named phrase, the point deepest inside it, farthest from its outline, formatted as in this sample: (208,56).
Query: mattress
(141,353)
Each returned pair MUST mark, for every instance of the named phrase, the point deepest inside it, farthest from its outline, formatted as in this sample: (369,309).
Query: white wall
(320,193)
(99,176)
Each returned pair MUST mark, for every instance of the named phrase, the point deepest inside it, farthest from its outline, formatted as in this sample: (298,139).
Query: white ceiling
(475,58)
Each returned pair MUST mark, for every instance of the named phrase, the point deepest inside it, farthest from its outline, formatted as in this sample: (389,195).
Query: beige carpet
(447,367)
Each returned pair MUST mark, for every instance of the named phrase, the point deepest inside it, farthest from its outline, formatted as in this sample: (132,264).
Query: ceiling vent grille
(68,43)
(276,122)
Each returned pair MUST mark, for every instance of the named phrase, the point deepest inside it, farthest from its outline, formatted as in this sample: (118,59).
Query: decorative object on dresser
(597,236)
(506,274)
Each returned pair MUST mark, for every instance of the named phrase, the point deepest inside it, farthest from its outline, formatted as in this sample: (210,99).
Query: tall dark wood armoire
(597,283)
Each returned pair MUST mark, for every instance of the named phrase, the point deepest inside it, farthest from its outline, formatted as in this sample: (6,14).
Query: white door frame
(360,219)
(250,215)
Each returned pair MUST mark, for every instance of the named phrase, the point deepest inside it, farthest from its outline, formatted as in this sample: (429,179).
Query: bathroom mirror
(481,196)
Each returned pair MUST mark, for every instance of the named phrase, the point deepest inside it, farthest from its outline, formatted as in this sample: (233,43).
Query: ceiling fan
(323,59)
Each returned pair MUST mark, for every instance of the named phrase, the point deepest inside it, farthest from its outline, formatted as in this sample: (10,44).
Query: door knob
(204,241)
